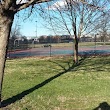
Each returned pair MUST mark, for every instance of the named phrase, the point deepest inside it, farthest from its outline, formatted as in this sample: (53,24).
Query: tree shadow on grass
(19,96)
(103,106)
(96,64)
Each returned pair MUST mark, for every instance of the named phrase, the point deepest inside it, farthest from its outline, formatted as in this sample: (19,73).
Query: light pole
(33,42)
(36,29)
(36,33)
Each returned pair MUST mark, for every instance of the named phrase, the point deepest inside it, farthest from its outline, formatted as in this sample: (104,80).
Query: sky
(28,25)
(31,26)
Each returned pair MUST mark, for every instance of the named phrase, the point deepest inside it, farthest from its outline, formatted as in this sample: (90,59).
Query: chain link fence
(18,48)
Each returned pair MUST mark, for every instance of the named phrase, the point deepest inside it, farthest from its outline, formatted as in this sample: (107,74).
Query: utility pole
(36,29)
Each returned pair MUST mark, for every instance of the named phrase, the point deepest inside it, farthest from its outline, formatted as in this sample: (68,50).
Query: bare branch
(90,5)
(29,3)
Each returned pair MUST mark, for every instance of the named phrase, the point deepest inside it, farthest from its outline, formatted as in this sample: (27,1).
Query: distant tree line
(21,42)
(68,38)
(97,38)
(55,39)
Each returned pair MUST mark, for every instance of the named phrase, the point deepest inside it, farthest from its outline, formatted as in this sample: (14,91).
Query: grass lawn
(64,44)
(56,84)
(69,44)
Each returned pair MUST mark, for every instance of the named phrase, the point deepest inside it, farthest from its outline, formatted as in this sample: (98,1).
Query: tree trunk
(76,49)
(5,27)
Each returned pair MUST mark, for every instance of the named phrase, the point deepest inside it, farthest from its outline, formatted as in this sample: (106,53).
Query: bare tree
(104,27)
(15,31)
(8,8)
(74,17)
(15,35)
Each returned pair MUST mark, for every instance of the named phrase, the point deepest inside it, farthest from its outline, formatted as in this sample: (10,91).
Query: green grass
(58,45)
(56,83)
(70,44)
(66,44)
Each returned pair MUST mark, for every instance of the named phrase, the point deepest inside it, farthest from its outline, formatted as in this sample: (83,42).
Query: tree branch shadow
(19,96)
(103,106)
